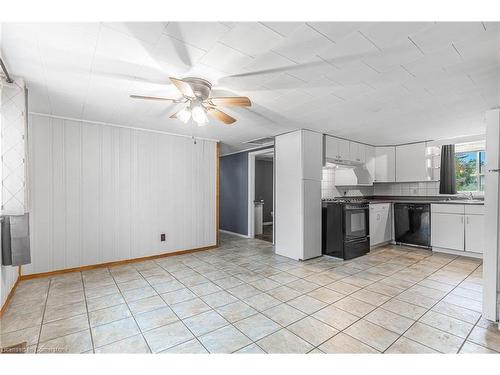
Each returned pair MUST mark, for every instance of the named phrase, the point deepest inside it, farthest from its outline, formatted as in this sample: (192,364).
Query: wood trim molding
(217,194)
(113,264)
(9,297)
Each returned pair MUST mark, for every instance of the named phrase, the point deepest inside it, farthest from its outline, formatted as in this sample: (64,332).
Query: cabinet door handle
(467,220)
(462,219)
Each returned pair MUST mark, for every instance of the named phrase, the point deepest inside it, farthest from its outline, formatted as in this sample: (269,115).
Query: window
(470,163)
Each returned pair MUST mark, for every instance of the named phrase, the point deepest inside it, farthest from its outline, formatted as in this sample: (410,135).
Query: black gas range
(345,227)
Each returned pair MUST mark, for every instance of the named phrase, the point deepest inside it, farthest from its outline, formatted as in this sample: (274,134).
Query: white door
(376,232)
(332,147)
(411,163)
(386,221)
(448,231)
(474,233)
(491,261)
(343,149)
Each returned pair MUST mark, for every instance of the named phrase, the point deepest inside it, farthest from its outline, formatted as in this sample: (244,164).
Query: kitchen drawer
(448,208)
(474,209)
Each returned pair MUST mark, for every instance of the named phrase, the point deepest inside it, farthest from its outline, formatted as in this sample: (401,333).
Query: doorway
(261,195)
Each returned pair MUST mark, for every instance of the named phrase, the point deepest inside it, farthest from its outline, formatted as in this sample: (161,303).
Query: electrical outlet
(162,237)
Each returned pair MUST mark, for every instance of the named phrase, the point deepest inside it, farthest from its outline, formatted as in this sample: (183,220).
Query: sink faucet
(469,195)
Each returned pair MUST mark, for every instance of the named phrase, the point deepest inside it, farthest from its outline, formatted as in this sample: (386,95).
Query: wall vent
(261,141)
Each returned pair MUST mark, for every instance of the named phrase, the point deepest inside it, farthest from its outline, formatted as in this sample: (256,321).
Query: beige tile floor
(242,298)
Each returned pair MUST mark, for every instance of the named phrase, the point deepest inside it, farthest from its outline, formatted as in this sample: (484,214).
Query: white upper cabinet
(411,163)
(370,161)
(343,149)
(336,148)
(385,164)
(357,152)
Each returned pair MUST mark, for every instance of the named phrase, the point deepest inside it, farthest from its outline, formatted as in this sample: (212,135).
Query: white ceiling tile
(312,70)
(387,35)
(115,45)
(268,61)
(284,81)
(226,59)
(352,47)
(353,72)
(386,60)
(251,38)
(203,35)
(351,92)
(432,63)
(442,34)
(303,44)
(176,53)
(283,28)
(338,30)
(148,32)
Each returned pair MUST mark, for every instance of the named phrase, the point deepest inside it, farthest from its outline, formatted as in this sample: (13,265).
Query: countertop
(436,200)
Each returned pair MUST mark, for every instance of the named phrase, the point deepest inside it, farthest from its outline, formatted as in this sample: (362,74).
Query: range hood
(350,174)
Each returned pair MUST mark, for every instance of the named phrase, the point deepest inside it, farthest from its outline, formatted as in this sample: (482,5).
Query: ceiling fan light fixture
(199,115)
(184,115)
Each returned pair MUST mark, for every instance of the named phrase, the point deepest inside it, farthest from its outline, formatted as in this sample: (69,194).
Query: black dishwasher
(412,224)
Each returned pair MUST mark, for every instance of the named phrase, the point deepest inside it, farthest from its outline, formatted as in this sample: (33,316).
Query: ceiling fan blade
(221,116)
(183,87)
(238,101)
(152,98)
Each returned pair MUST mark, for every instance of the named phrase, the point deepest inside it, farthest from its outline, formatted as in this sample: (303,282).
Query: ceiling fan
(196,94)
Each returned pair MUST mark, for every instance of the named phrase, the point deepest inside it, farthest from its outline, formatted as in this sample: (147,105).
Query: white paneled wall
(102,193)
(12,165)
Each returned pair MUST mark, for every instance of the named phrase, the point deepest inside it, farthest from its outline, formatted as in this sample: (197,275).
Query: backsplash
(422,189)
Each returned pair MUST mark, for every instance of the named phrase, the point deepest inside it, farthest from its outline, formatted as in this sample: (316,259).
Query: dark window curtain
(447,181)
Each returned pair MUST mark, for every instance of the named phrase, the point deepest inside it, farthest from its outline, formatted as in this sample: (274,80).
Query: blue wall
(234,192)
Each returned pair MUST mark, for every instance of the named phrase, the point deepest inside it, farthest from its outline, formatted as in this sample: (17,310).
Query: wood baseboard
(9,297)
(112,264)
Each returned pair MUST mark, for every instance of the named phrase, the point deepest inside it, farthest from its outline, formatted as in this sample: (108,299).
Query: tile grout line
(132,315)
(43,316)
(429,309)
(87,310)
(178,317)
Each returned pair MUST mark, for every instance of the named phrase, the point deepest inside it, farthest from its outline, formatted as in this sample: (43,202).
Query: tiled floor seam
(178,317)
(430,308)
(132,315)
(88,317)
(43,316)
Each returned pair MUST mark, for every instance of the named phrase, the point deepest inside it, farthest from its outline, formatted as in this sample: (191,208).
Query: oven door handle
(357,240)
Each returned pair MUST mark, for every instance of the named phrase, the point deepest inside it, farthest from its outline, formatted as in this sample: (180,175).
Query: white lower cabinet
(457,228)
(447,231)
(380,223)
(474,233)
